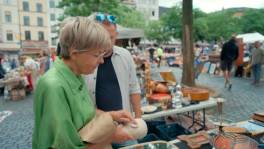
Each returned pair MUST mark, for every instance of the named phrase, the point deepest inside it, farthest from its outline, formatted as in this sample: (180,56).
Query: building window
(53,29)
(53,41)
(40,21)
(153,13)
(40,35)
(27,35)
(26,20)
(39,7)
(8,17)
(7,2)
(52,4)
(25,6)
(52,17)
(9,36)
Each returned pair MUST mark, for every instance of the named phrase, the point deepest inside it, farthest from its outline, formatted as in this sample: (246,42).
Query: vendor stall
(15,83)
(251,37)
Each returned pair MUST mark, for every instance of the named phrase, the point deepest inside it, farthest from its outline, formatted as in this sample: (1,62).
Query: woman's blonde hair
(82,33)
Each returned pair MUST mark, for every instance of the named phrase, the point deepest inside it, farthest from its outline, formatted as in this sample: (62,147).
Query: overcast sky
(214,5)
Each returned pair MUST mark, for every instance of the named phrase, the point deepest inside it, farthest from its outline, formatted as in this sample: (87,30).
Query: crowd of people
(26,66)
(229,52)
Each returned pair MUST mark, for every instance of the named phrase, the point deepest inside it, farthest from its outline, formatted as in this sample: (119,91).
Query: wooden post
(188,77)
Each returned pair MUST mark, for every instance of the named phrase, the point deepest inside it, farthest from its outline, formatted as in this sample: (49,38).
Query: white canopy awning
(128,33)
(251,37)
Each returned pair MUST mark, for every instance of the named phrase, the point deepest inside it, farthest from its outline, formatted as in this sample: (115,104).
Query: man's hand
(122,116)
(120,135)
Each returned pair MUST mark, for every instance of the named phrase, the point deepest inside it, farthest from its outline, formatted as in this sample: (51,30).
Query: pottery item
(137,131)
(196,94)
(148,109)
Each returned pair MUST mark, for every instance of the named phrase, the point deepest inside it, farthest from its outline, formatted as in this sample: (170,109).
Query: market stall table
(15,87)
(201,106)
(254,131)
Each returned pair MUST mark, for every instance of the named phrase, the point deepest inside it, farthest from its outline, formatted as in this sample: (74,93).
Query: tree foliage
(212,26)
(125,16)
(216,25)
(155,31)
(173,21)
(253,21)
(129,18)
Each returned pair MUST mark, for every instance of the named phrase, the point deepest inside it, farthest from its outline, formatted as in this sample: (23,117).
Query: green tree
(222,24)
(86,7)
(172,21)
(130,18)
(125,16)
(200,29)
(197,13)
(252,21)
(156,31)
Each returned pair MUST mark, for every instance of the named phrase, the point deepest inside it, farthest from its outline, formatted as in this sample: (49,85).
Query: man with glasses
(114,85)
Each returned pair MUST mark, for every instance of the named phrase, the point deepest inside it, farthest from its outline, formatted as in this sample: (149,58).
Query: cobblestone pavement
(16,129)
(241,101)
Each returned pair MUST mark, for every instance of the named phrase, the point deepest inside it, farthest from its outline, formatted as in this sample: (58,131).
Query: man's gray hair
(82,33)
(93,16)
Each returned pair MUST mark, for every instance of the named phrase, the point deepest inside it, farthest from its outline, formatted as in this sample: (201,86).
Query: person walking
(151,51)
(2,74)
(256,62)
(160,55)
(228,55)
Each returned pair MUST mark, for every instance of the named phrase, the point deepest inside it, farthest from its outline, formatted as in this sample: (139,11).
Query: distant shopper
(256,61)
(160,54)
(2,73)
(151,53)
(228,55)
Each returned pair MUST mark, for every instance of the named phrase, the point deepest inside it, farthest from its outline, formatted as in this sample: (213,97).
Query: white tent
(128,33)
(251,37)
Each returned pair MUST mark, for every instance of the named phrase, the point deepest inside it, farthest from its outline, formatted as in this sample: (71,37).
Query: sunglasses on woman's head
(100,17)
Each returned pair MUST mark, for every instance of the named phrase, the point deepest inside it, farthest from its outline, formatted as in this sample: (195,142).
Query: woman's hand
(122,116)
(120,135)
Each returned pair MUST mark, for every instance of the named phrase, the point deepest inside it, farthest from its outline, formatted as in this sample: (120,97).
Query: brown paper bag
(98,129)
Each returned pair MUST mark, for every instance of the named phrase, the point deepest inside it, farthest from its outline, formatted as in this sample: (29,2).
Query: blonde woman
(62,105)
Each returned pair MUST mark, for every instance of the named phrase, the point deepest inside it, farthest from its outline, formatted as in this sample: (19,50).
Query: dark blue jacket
(229,51)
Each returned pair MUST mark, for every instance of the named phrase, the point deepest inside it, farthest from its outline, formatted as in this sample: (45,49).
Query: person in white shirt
(114,84)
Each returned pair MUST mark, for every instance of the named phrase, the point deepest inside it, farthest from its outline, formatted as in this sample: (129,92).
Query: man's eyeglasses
(100,17)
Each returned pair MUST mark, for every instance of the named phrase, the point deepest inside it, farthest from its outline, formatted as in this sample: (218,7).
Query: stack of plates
(148,109)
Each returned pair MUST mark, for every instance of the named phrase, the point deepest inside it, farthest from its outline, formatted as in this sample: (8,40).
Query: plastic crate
(149,138)
(171,131)
(261,146)
(260,143)
(152,126)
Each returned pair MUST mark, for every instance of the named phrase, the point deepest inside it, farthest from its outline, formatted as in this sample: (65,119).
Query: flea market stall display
(167,98)
(15,84)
